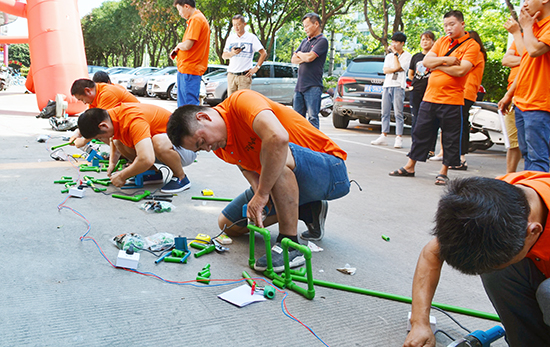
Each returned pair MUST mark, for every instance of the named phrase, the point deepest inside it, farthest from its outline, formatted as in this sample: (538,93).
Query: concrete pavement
(57,290)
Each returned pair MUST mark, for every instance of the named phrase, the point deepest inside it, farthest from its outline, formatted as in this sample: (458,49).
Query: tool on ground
(207,192)
(480,338)
(219,247)
(138,180)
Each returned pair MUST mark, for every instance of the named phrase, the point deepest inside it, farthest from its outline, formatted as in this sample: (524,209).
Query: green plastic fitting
(249,280)
(207,266)
(63,181)
(269,292)
(66,178)
(134,198)
(203,280)
(213,198)
(178,253)
(207,250)
(197,245)
(204,273)
(172,259)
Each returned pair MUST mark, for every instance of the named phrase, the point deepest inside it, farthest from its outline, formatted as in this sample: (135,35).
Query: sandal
(463,166)
(401,173)
(441,180)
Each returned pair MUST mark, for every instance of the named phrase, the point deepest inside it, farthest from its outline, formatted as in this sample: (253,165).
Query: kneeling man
(288,162)
(139,134)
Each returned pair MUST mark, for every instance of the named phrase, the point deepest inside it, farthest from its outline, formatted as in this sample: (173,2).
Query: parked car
(163,86)
(202,92)
(118,69)
(124,78)
(359,93)
(274,80)
(138,84)
(92,69)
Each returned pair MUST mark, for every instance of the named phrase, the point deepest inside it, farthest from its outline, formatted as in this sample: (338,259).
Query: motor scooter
(327,103)
(486,128)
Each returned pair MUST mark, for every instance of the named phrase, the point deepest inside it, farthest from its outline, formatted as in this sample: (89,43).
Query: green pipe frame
(286,280)
(212,198)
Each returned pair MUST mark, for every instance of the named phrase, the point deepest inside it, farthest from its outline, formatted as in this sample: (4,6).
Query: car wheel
(340,122)
(170,94)
(150,94)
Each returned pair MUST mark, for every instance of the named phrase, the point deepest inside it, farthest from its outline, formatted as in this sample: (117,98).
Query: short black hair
(481,224)
(183,123)
(313,17)
(185,2)
(428,33)
(399,36)
(101,77)
(78,86)
(88,122)
(454,13)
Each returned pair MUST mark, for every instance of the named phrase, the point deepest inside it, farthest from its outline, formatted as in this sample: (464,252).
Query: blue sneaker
(176,186)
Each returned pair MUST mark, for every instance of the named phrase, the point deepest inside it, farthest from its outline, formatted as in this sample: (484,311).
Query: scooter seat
(490,106)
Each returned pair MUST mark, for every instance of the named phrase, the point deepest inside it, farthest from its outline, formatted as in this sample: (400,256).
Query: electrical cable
(451,317)
(444,333)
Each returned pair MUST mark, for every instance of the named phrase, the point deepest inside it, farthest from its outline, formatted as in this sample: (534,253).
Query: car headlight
(211,86)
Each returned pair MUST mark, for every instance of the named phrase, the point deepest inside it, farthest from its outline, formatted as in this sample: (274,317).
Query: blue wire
(83,238)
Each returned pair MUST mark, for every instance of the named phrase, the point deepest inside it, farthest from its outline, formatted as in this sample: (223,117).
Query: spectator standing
(239,49)
(311,56)
(512,59)
(470,96)
(450,60)
(530,89)
(396,65)
(191,53)
(419,74)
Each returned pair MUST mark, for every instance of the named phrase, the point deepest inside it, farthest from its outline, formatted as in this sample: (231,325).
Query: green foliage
(20,52)
(495,80)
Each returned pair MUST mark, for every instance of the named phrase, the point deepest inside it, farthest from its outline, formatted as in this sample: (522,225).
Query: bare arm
(426,278)
(234,51)
(396,66)
(411,74)
(457,70)
(534,47)
(301,57)
(431,61)
(510,59)
(513,28)
(145,158)
(263,55)
(273,157)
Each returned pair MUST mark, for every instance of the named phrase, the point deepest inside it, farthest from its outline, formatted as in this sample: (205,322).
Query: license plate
(369,88)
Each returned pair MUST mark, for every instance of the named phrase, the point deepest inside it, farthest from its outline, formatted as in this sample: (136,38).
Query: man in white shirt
(396,65)
(239,49)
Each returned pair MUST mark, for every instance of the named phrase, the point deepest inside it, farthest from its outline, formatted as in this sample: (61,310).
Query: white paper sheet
(241,296)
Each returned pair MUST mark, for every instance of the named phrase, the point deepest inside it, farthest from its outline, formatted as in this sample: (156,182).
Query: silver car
(274,80)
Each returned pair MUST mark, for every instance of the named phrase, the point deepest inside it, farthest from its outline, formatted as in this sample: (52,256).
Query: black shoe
(295,259)
(316,229)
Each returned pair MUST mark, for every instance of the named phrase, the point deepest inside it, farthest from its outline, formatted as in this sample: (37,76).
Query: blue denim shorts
(320,176)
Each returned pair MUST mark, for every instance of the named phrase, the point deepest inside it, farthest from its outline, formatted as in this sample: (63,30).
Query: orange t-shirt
(243,145)
(474,78)
(195,60)
(134,122)
(540,182)
(532,92)
(515,69)
(110,95)
(443,88)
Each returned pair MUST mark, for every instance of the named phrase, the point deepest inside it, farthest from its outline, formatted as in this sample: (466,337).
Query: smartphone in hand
(174,54)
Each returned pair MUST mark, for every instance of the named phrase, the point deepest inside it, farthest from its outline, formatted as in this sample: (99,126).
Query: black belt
(240,73)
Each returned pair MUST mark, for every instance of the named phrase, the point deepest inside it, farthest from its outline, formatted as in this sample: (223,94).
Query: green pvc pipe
(406,299)
(212,198)
(310,292)
(132,198)
(62,145)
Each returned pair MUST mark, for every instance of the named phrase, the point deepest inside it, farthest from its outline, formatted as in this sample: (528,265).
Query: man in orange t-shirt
(450,60)
(98,95)
(138,132)
(530,88)
(291,166)
(499,229)
(512,59)
(191,53)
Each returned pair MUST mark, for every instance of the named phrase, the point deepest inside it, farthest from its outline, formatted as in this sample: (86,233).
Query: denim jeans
(320,176)
(309,102)
(520,294)
(533,136)
(395,96)
(189,87)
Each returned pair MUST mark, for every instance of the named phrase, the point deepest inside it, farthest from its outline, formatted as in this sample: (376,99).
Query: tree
(327,9)
(385,10)
(20,53)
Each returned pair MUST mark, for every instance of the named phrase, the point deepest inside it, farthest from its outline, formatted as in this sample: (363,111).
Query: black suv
(359,93)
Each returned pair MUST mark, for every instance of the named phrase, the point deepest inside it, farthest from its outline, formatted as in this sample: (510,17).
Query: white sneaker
(380,141)
(398,142)
(436,158)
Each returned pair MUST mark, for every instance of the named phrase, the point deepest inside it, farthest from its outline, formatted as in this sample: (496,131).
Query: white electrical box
(129,261)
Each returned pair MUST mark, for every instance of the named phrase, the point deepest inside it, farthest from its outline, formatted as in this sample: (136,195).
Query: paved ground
(59,291)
